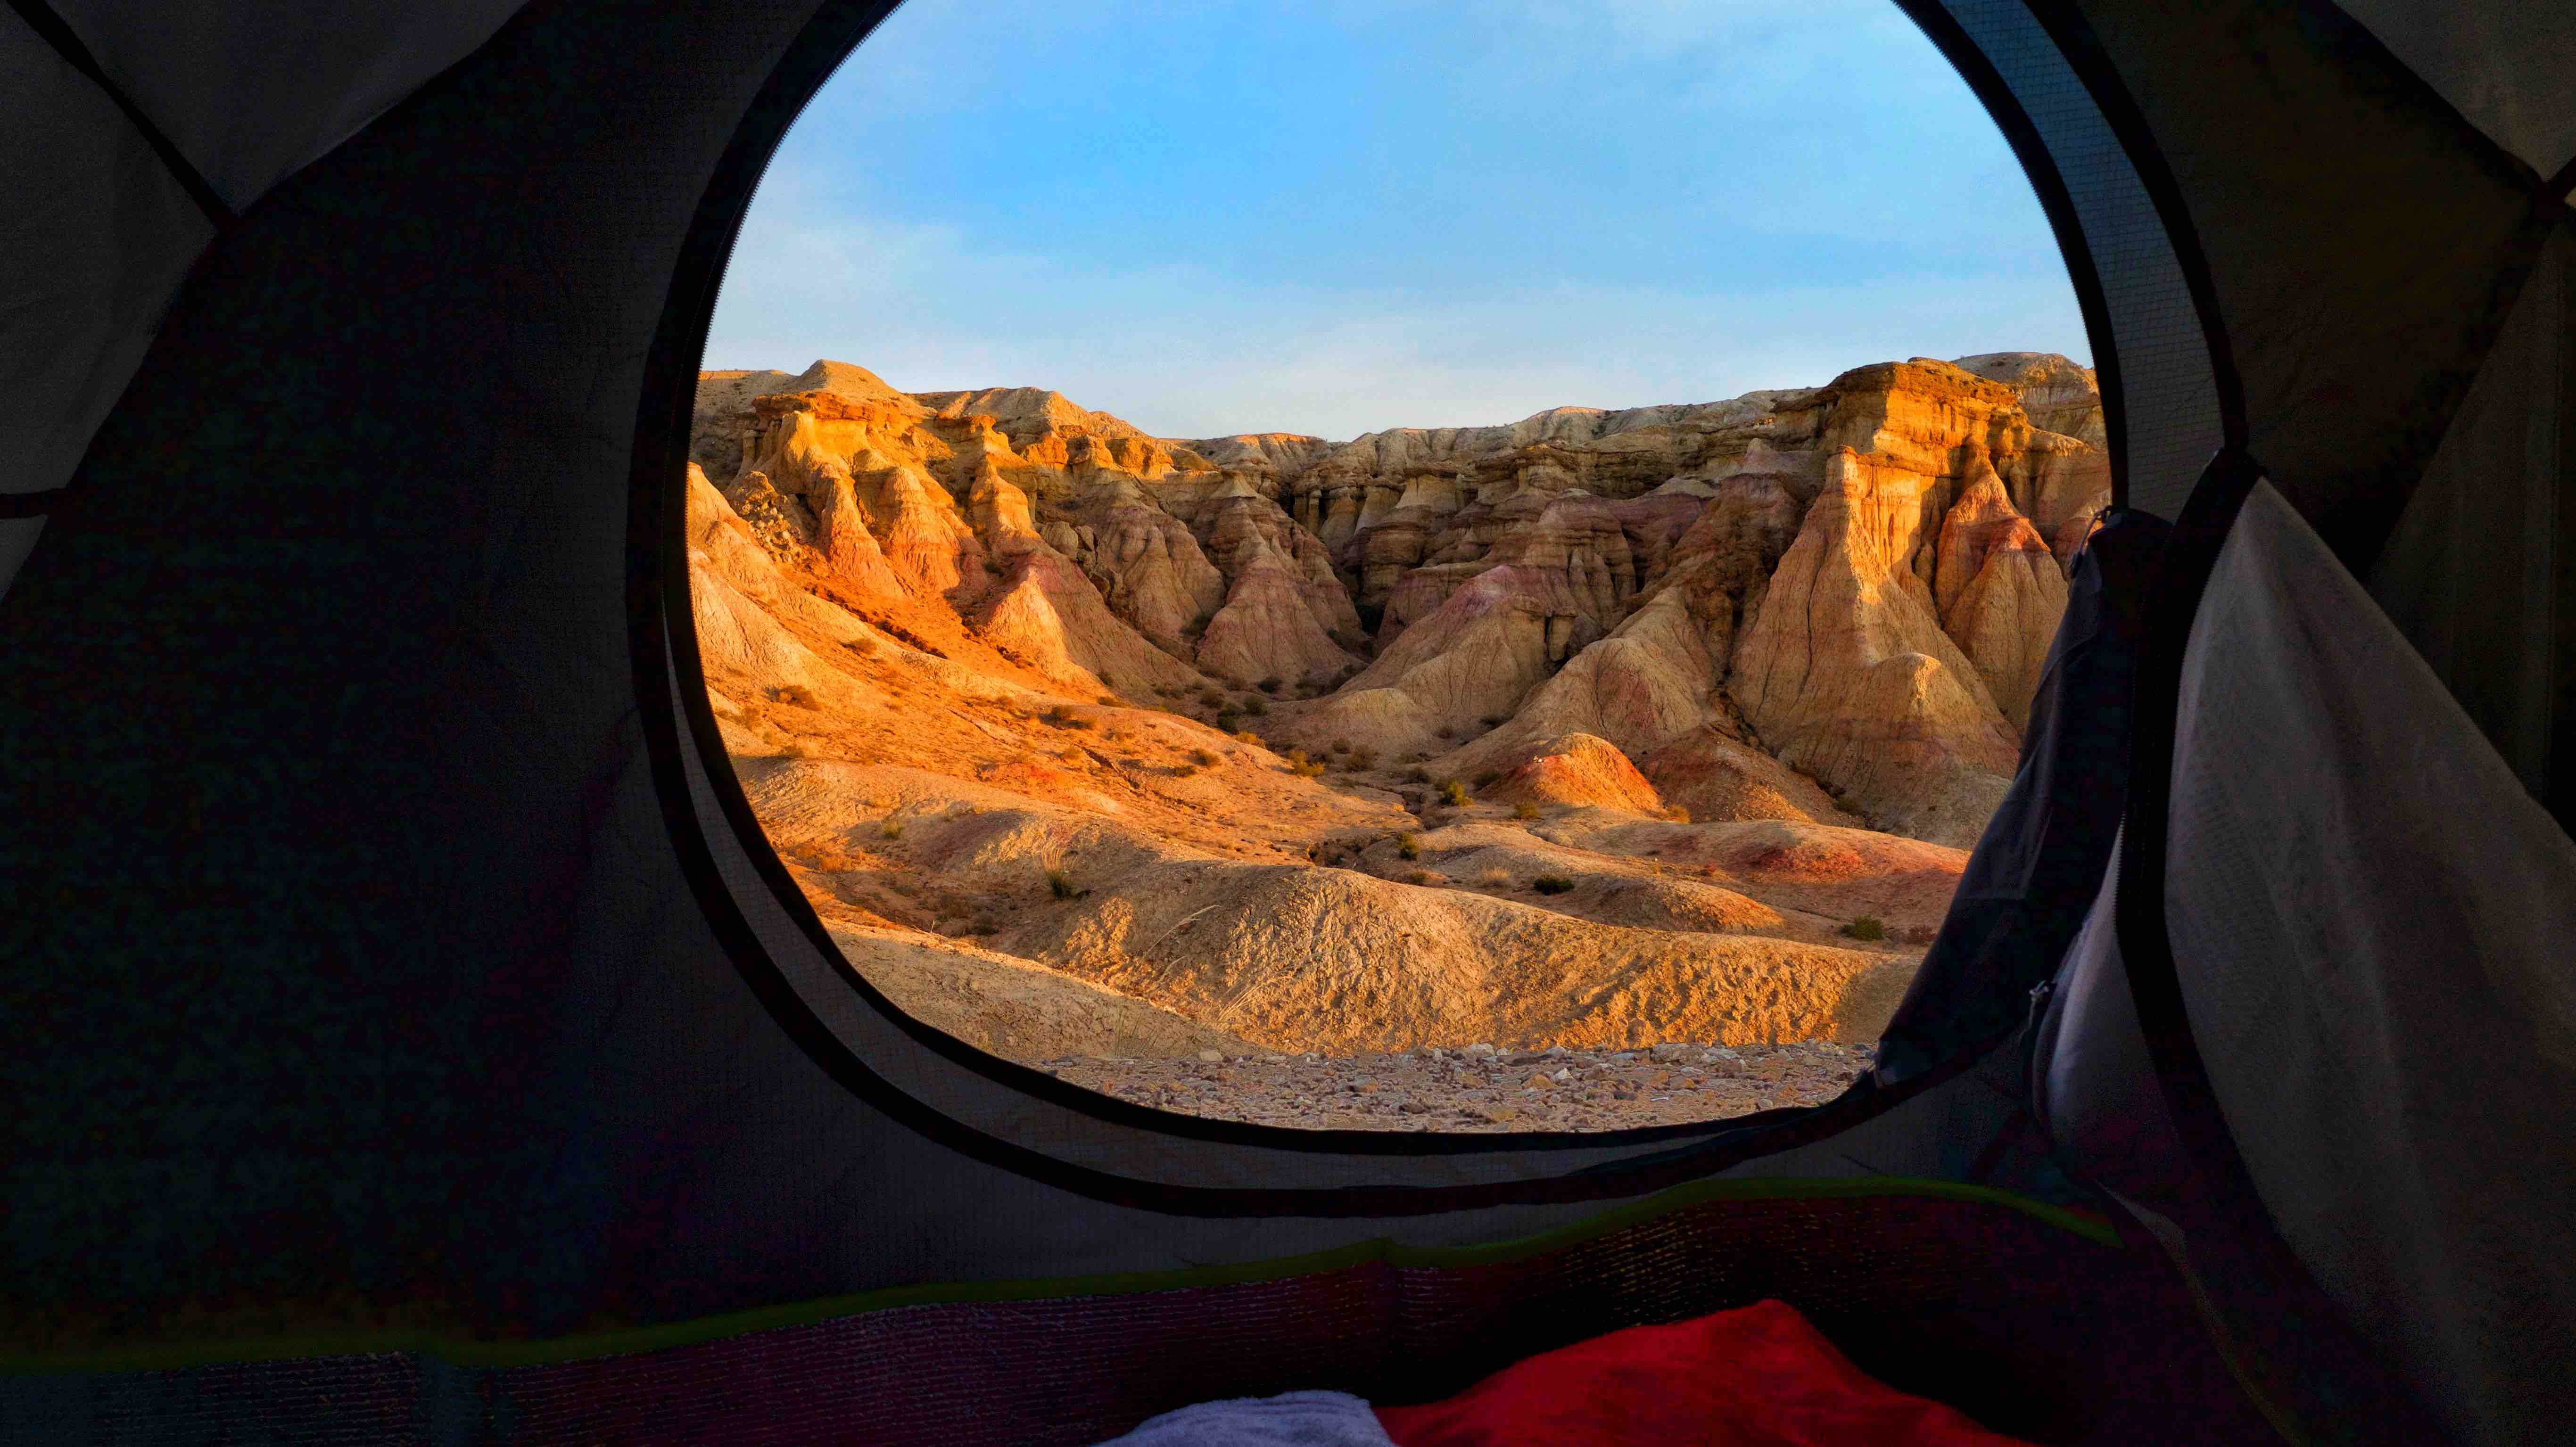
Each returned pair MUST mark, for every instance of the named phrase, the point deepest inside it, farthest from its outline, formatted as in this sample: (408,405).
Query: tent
(412,1038)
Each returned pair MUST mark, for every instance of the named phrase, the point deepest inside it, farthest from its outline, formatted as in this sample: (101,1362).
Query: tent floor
(2035,1329)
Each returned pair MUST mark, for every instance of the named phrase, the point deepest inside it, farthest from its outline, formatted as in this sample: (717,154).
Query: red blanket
(1759,1376)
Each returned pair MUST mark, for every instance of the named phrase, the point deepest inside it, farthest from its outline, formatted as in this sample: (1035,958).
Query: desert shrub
(1247,736)
(1202,758)
(1444,732)
(1678,814)
(1525,810)
(1060,884)
(794,693)
(1272,684)
(1363,759)
(1341,746)
(1867,927)
(1255,705)
(1551,884)
(1307,770)
(892,828)
(1295,756)
(1070,754)
(1419,876)
(1453,793)
(1109,700)
(1408,847)
(1183,771)
(1488,777)
(1418,776)
(1225,722)
(1495,879)
(1056,717)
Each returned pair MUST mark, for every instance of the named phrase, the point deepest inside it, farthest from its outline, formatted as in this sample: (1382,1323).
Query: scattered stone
(1212,1057)
(1420,1091)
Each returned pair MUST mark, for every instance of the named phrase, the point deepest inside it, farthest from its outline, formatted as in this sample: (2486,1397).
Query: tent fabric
(2362,256)
(313,72)
(2162,398)
(2026,888)
(104,229)
(2480,574)
(2372,918)
(2094,1085)
(96,237)
(2503,63)
(432,1018)
(394,954)
(2030,1321)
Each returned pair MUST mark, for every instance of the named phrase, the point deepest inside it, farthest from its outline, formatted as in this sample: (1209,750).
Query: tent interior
(413,1036)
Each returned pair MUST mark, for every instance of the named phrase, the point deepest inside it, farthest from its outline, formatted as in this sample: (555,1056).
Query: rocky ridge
(1531,698)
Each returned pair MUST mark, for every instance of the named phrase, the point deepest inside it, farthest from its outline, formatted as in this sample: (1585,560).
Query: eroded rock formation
(1609,720)
(1822,603)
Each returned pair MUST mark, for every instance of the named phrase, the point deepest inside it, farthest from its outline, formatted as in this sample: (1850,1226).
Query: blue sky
(1329,217)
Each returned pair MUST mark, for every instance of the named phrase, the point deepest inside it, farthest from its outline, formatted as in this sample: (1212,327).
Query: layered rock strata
(1591,731)
(1857,582)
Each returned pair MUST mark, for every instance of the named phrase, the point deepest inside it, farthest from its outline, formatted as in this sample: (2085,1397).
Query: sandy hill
(1596,729)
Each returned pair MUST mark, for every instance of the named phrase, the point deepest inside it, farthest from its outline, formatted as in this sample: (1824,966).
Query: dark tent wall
(2363,242)
(2502,64)
(366,981)
(132,143)
(2318,1024)
(391,947)
(2480,571)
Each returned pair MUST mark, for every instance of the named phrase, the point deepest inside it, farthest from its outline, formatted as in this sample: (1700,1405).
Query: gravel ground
(1480,1088)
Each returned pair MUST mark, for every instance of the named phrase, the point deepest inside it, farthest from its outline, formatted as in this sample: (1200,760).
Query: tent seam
(58,34)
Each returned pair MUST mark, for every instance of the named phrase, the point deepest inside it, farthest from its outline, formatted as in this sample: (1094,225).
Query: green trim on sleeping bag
(470,1353)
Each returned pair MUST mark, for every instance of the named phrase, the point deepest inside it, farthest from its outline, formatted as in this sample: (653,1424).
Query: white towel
(1291,1419)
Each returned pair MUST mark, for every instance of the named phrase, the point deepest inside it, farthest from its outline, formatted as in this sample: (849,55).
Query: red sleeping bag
(1758,1376)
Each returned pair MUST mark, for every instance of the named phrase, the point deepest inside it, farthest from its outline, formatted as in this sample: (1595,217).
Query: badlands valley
(1433,779)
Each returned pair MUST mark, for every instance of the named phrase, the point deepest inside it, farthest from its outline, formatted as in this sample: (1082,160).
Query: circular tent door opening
(1391,569)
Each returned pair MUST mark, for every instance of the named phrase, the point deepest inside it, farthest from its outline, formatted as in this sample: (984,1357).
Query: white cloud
(1764,147)
(1185,354)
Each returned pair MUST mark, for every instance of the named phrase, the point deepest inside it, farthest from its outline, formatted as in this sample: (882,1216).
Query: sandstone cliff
(1003,675)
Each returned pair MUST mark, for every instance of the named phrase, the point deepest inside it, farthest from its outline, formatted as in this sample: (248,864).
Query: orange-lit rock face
(1858,580)
(1847,674)
(1578,770)
(1999,591)
(1004,675)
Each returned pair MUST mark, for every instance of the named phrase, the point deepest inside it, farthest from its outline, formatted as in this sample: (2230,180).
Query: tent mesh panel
(2167,393)
(2034,1330)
